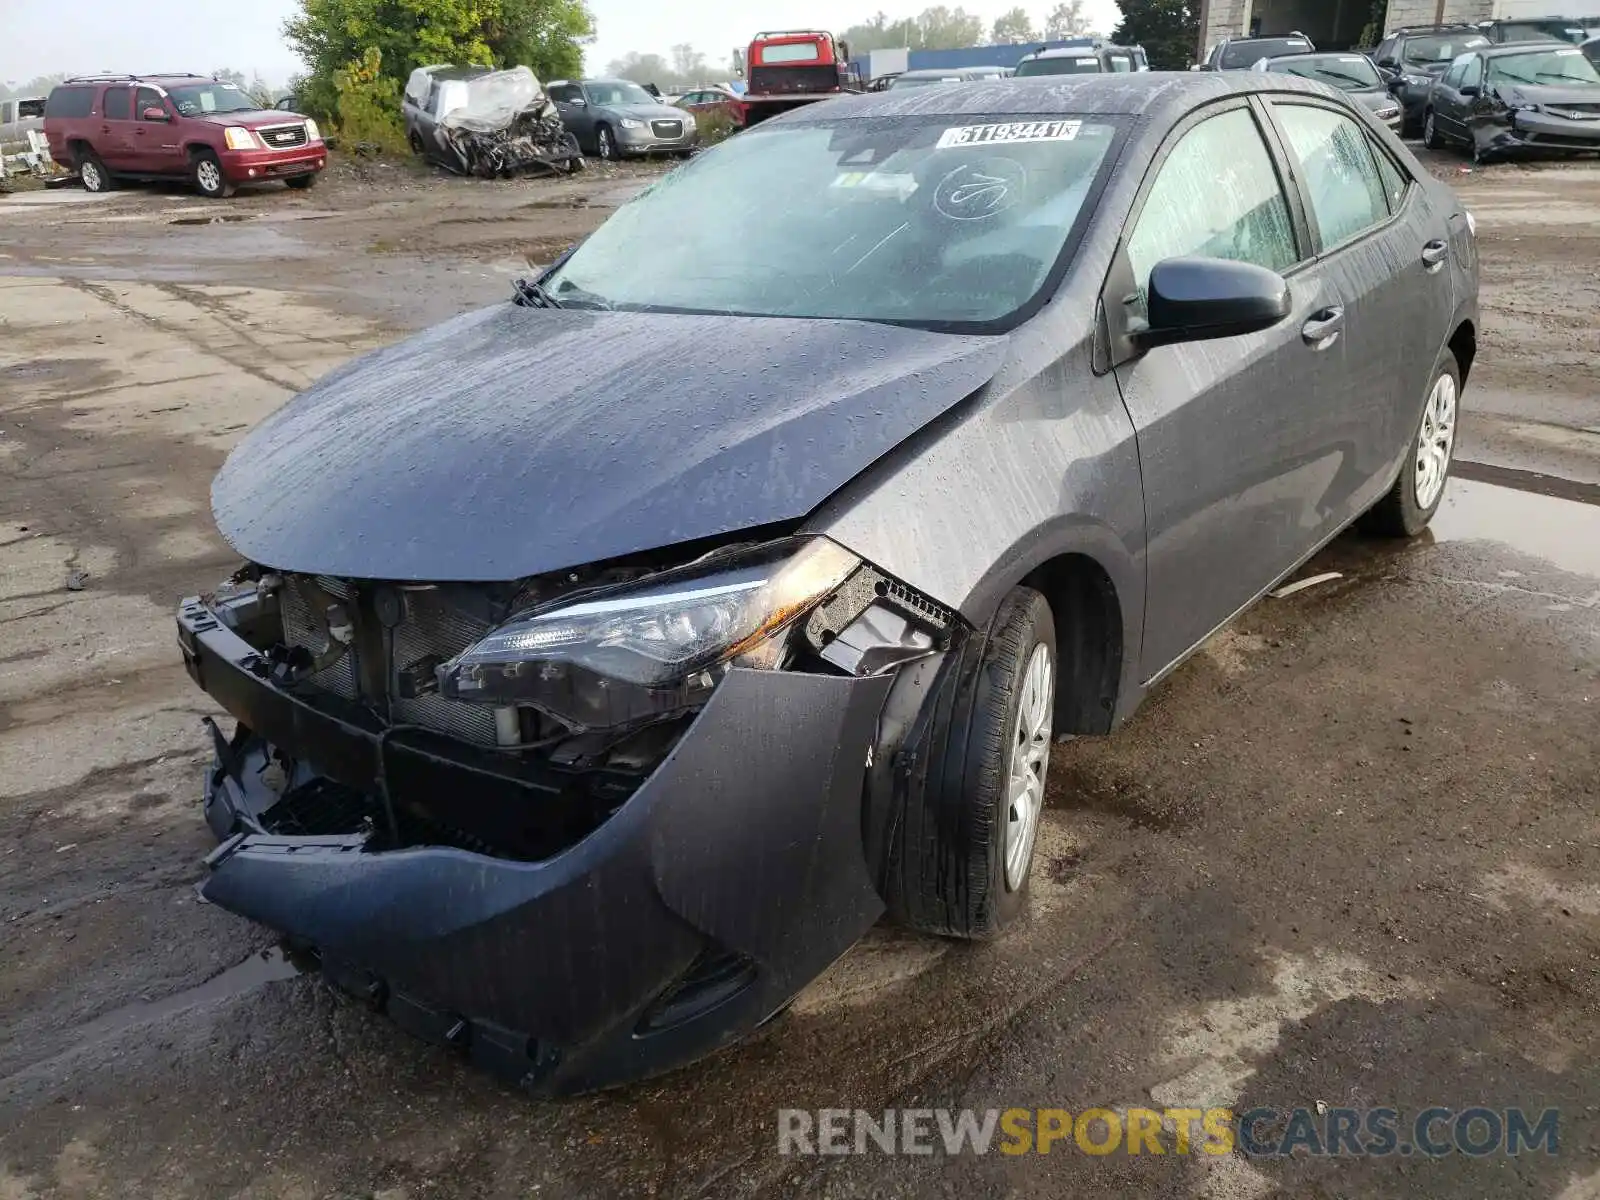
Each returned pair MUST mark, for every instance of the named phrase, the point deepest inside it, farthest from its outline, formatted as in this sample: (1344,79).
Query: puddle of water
(258,970)
(216,219)
(1563,532)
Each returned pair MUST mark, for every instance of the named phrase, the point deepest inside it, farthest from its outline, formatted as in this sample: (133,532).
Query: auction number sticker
(1010,133)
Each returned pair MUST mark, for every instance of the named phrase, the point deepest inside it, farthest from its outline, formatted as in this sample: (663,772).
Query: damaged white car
(479,121)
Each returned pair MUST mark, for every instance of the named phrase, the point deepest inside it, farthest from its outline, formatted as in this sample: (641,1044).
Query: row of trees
(686,68)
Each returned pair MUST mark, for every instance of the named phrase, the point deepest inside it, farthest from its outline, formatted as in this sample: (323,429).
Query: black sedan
(1525,97)
(606,662)
(1352,74)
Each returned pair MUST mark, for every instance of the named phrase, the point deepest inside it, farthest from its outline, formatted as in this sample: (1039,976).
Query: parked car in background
(1240,54)
(933,77)
(884,82)
(1591,50)
(1353,74)
(430,93)
(18,116)
(718,100)
(110,128)
(606,663)
(616,119)
(1572,30)
(1413,58)
(1098,58)
(289,103)
(1516,98)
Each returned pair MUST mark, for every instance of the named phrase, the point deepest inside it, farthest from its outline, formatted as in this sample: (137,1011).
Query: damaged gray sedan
(608,661)
(1517,99)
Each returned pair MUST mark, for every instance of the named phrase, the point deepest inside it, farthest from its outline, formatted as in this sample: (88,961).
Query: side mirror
(1199,299)
(154,114)
(1470,89)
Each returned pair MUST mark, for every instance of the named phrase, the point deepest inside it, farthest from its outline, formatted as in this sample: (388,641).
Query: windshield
(931,221)
(1077,64)
(620,92)
(1442,49)
(1352,72)
(205,99)
(1241,55)
(1560,66)
(1555,27)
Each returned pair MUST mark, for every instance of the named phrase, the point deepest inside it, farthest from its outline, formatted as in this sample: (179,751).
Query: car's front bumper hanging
(731,878)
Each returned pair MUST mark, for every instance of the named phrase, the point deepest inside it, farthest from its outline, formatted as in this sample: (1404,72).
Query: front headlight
(236,137)
(630,123)
(1385,114)
(313,134)
(1421,81)
(647,650)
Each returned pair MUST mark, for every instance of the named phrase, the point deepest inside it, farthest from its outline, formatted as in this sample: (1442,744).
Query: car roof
(160,80)
(932,73)
(1153,94)
(1508,49)
(448,73)
(1345,54)
(1406,30)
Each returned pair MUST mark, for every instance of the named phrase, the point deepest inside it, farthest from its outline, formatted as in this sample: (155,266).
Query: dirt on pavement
(1347,855)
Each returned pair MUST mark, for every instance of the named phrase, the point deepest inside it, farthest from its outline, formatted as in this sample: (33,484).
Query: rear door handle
(1434,254)
(1324,327)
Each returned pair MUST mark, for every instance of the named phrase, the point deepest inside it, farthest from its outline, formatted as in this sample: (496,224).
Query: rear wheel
(964,847)
(1430,132)
(92,172)
(415,141)
(1415,497)
(208,177)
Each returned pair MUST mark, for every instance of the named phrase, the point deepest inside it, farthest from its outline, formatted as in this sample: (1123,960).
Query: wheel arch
(1463,343)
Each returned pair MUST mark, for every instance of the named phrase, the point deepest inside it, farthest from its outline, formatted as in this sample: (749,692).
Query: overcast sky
(39,37)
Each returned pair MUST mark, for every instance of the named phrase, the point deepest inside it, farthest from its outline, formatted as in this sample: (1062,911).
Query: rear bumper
(245,166)
(731,878)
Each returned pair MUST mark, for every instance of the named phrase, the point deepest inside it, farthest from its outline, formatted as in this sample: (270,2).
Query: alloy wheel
(608,148)
(89,173)
(1436,442)
(1030,759)
(209,176)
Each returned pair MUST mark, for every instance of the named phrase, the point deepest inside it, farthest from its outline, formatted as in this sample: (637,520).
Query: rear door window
(118,104)
(70,102)
(1341,178)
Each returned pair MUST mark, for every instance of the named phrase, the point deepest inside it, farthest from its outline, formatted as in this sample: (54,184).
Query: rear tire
(1430,132)
(92,173)
(1417,493)
(208,178)
(964,847)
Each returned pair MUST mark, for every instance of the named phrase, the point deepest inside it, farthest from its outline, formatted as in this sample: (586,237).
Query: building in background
(1337,24)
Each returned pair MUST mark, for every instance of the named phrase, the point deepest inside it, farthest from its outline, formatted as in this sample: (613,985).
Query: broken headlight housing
(646,650)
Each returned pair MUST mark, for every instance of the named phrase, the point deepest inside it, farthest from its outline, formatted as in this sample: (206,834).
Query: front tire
(964,847)
(92,173)
(606,142)
(209,180)
(1416,495)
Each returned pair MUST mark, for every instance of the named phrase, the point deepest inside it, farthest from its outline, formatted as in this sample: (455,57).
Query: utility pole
(1205,24)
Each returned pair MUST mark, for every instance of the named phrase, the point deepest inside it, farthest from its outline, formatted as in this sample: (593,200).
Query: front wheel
(607,143)
(209,180)
(964,846)
(1415,497)
(1430,132)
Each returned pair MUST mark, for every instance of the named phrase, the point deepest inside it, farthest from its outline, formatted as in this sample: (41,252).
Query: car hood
(515,441)
(1434,69)
(1373,98)
(646,112)
(254,119)
(1558,97)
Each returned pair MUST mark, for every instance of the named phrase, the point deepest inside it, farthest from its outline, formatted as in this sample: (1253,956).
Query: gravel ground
(1346,855)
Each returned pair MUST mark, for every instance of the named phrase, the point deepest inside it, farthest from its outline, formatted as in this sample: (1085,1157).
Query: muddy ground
(1347,855)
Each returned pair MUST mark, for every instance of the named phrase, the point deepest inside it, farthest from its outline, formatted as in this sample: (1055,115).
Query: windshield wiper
(530,293)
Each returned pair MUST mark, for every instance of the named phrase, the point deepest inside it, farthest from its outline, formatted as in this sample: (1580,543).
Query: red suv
(111,127)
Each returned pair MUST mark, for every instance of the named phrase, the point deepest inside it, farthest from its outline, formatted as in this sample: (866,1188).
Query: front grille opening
(713,979)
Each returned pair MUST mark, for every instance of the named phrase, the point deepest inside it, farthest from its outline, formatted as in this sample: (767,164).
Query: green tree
(1169,31)
(331,36)
(949,28)
(1066,20)
(1014,28)
(688,64)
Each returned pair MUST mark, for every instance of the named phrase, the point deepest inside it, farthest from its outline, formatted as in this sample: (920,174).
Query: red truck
(785,70)
(114,127)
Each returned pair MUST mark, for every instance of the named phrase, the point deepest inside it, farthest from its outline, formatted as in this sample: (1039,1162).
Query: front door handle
(1324,327)
(1434,254)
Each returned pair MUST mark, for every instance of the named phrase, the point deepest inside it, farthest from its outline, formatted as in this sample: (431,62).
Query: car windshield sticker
(1016,131)
(977,191)
(901,185)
